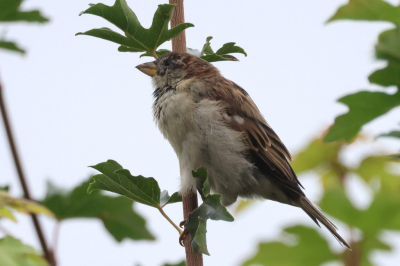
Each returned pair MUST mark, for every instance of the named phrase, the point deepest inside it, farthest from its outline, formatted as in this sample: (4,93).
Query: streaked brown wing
(267,151)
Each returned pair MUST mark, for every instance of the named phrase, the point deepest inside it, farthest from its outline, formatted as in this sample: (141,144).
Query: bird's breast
(200,136)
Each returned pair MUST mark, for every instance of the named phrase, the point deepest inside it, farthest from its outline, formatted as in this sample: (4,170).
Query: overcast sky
(77,101)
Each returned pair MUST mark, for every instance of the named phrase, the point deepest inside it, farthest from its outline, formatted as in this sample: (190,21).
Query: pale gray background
(77,101)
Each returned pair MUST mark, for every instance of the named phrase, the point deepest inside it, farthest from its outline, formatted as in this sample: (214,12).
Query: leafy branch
(137,38)
(138,188)
(366,106)
(211,208)
(10,12)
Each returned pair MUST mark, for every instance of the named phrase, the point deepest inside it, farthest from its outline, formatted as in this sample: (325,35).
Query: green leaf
(393,134)
(223,54)
(374,10)
(388,46)
(377,167)
(211,208)
(158,52)
(336,204)
(364,107)
(182,263)
(137,38)
(207,47)
(202,174)
(120,181)
(14,253)
(309,249)
(166,199)
(9,12)
(116,213)
(6,213)
(370,221)
(316,154)
(200,236)
(6,188)
(11,46)
(22,205)
(387,76)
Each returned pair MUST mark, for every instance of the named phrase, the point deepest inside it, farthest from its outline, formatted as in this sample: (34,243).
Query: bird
(212,122)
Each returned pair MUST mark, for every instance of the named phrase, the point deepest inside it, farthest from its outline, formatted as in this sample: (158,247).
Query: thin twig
(21,176)
(169,220)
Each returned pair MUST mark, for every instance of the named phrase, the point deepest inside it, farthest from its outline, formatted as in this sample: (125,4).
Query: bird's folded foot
(184,233)
(182,237)
(182,224)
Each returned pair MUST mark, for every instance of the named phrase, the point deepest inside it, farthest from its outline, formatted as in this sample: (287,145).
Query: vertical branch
(179,42)
(189,200)
(21,176)
(189,204)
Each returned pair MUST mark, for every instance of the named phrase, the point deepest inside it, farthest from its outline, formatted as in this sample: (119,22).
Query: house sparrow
(212,122)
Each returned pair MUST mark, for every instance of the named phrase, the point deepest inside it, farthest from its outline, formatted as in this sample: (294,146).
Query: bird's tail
(316,215)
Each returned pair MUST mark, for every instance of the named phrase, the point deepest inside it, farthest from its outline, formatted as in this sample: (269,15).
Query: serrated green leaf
(211,208)
(22,205)
(14,253)
(120,181)
(109,35)
(200,236)
(229,48)
(202,174)
(374,10)
(364,107)
(165,199)
(116,213)
(137,38)
(9,12)
(388,46)
(11,46)
(388,76)
(310,249)
(223,54)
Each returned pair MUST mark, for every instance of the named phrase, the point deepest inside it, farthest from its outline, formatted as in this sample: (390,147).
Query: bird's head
(171,68)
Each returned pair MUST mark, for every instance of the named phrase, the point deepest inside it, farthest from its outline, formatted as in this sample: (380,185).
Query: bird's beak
(148,68)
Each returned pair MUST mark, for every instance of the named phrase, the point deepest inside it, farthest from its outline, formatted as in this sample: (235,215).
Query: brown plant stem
(179,42)
(22,178)
(189,200)
(189,204)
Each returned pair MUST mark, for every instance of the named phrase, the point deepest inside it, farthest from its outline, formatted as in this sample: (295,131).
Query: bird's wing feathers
(267,151)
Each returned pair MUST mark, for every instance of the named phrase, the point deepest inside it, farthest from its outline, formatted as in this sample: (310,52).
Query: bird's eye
(167,62)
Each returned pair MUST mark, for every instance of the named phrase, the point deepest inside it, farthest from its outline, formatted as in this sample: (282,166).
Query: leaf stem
(169,220)
(154,54)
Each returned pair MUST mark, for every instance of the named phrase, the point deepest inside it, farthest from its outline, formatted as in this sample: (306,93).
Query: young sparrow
(211,121)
